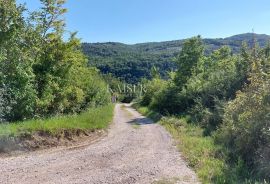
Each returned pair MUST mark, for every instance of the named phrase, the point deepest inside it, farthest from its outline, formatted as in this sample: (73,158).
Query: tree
(16,75)
(40,73)
(64,82)
(191,53)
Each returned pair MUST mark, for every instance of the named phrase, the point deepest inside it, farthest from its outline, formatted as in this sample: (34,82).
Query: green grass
(95,118)
(198,150)
(204,155)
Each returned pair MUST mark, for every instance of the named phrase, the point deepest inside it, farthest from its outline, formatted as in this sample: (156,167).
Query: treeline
(41,74)
(226,94)
(131,63)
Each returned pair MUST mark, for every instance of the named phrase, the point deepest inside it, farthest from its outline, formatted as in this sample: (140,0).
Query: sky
(137,21)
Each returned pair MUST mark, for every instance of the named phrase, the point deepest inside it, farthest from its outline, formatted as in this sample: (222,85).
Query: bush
(168,100)
(153,88)
(3,107)
(214,81)
(245,133)
(227,92)
(207,118)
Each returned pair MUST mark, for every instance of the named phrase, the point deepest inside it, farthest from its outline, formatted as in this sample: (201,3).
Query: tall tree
(191,53)
(16,75)
(63,80)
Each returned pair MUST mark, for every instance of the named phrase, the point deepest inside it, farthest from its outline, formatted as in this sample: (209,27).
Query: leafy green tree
(16,75)
(64,82)
(40,73)
(155,73)
(191,53)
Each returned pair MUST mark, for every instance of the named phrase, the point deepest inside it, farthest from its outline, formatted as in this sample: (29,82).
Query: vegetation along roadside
(46,86)
(60,130)
(216,106)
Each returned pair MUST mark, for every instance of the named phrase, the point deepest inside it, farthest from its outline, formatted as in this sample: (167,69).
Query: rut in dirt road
(142,153)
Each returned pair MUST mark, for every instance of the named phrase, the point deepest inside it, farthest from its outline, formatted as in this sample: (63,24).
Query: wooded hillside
(133,62)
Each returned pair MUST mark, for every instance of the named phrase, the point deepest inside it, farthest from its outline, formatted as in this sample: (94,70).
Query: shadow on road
(141,121)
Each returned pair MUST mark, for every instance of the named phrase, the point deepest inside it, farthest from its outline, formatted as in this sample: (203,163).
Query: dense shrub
(215,80)
(3,106)
(245,132)
(168,100)
(153,88)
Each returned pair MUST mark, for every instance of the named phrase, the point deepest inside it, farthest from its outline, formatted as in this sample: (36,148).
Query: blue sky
(136,21)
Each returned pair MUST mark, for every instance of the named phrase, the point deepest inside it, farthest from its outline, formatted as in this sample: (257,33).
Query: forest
(131,63)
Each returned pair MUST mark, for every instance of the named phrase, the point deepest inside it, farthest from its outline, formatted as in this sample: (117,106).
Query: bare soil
(135,150)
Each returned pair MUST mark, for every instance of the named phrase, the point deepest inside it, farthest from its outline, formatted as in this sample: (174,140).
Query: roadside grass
(204,155)
(95,118)
(200,151)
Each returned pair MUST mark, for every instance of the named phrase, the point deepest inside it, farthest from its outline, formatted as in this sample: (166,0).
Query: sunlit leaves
(41,74)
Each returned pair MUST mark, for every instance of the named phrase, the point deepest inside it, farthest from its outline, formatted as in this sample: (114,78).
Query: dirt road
(135,151)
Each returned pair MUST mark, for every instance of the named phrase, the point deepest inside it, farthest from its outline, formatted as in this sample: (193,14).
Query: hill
(133,62)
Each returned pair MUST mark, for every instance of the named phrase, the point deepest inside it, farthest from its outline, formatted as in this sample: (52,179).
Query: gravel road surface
(136,150)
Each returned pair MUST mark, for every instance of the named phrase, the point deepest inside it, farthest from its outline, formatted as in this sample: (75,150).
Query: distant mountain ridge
(133,62)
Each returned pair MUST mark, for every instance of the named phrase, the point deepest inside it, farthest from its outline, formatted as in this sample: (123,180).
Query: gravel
(136,150)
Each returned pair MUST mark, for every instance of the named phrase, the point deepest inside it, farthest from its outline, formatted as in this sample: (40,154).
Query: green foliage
(128,64)
(116,88)
(92,119)
(198,150)
(41,74)
(245,131)
(190,55)
(161,95)
(220,91)
(131,63)
(167,100)
(16,75)
(153,88)
(214,81)
(4,108)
